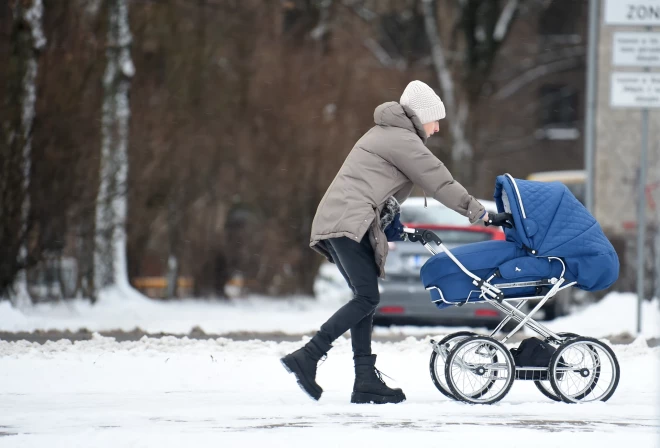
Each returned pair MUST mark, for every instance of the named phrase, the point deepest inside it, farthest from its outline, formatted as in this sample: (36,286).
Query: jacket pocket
(379,244)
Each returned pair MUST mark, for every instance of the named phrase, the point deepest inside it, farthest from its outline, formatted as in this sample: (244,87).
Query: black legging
(357,265)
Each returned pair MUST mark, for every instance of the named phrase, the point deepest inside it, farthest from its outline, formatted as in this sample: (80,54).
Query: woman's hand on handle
(499,219)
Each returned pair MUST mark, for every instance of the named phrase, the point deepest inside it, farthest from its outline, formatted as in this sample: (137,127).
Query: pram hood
(550,221)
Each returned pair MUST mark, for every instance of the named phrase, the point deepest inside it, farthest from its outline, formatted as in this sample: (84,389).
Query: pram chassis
(494,296)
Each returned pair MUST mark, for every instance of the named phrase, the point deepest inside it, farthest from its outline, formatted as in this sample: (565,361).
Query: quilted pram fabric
(548,222)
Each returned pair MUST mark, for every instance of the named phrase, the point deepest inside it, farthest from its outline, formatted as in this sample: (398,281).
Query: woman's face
(431,128)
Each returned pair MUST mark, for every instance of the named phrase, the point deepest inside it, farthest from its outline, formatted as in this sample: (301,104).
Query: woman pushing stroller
(379,173)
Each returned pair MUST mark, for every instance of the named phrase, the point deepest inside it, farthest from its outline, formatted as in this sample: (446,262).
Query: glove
(500,219)
(394,231)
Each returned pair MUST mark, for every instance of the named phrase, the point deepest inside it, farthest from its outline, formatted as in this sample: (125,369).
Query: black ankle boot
(302,363)
(369,386)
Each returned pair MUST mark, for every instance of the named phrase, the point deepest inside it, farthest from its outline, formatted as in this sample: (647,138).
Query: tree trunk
(461,148)
(110,241)
(27,41)
(173,238)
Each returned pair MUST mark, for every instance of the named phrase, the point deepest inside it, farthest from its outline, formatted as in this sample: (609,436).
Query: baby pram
(554,243)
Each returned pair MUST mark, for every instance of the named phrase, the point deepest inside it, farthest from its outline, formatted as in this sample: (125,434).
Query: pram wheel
(583,370)
(544,386)
(480,370)
(439,357)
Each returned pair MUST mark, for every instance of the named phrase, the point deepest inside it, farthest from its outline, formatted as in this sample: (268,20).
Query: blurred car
(403,299)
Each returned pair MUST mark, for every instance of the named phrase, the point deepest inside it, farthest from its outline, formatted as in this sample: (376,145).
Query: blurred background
(182,146)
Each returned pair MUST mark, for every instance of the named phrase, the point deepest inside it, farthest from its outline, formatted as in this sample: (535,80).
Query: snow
(125,309)
(113,311)
(616,313)
(178,392)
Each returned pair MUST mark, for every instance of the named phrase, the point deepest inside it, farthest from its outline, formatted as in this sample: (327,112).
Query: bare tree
(485,28)
(110,243)
(461,148)
(240,117)
(28,40)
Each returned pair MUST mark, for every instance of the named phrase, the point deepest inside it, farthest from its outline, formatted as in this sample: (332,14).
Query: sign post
(641,217)
(590,112)
(640,90)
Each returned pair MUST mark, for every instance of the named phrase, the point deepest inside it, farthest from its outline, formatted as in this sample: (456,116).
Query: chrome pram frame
(494,295)
(574,355)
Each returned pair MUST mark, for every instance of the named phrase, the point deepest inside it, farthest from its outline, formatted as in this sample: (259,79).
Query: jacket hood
(394,114)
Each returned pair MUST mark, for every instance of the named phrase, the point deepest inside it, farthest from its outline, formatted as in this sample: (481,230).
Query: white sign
(639,90)
(636,49)
(632,12)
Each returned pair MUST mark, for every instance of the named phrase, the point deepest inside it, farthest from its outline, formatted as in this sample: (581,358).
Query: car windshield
(413,214)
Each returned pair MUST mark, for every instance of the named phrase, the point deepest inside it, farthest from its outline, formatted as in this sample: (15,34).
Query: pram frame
(493,294)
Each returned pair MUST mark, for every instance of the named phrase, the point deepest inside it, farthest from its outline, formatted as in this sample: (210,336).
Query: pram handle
(500,219)
(423,236)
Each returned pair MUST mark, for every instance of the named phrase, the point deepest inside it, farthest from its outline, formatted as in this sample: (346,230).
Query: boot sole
(292,367)
(364,398)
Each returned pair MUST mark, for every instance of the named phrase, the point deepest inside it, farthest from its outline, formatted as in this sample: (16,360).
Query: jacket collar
(395,115)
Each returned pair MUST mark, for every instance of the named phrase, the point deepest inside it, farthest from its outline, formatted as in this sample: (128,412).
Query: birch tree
(28,40)
(484,33)
(461,148)
(110,242)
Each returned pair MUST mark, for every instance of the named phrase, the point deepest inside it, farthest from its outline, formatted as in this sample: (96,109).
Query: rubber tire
(550,393)
(617,370)
(450,360)
(434,355)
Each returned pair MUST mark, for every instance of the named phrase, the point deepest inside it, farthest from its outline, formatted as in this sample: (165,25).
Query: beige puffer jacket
(387,161)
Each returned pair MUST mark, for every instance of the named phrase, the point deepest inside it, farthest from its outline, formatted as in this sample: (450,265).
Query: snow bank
(295,315)
(615,314)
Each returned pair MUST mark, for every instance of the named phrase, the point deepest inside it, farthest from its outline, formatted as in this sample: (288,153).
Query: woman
(387,161)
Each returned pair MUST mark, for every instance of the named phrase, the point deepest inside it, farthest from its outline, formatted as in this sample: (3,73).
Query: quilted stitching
(540,201)
(566,229)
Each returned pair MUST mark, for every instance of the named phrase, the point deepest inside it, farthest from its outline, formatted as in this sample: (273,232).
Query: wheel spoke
(439,358)
(480,370)
(584,369)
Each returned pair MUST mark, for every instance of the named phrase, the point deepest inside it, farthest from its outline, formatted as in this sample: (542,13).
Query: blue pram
(554,244)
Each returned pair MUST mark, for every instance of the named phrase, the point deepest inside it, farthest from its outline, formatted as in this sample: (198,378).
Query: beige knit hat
(423,101)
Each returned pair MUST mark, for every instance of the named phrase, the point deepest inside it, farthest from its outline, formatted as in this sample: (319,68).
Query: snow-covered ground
(615,314)
(222,393)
